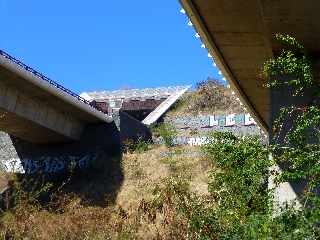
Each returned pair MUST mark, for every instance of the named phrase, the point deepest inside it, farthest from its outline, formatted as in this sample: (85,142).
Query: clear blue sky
(105,44)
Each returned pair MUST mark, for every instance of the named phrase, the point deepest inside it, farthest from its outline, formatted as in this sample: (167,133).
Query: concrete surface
(207,121)
(36,111)
(239,36)
(130,128)
(98,144)
(163,107)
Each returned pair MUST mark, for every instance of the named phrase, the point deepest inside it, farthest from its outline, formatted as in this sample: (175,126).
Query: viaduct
(42,117)
(47,128)
(51,129)
(239,35)
(39,110)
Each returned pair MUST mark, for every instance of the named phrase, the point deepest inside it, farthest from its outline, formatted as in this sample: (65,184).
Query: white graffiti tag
(57,164)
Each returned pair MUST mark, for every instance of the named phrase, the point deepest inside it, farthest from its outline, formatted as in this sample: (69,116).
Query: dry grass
(210,97)
(3,180)
(130,216)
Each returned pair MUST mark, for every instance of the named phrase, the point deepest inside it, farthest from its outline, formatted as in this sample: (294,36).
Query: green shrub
(139,146)
(243,204)
(238,183)
(167,132)
(239,205)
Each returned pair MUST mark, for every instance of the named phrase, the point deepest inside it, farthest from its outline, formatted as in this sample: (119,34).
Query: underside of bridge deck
(240,37)
(39,110)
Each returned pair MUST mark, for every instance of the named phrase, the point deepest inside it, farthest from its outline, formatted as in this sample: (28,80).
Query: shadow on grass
(96,185)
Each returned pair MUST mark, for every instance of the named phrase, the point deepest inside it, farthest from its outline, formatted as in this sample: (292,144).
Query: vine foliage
(293,61)
(243,205)
(297,146)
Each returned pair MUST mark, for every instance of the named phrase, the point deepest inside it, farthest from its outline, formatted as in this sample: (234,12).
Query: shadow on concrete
(133,129)
(90,168)
(284,97)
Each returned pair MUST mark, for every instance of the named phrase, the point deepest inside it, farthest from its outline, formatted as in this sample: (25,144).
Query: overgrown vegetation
(298,147)
(139,146)
(166,132)
(142,210)
(240,206)
(209,97)
(244,206)
(291,68)
(168,193)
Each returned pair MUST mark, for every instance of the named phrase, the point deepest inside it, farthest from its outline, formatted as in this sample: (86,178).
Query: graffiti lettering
(57,164)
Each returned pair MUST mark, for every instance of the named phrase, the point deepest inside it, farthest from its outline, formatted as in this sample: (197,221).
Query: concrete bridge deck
(39,110)
(239,36)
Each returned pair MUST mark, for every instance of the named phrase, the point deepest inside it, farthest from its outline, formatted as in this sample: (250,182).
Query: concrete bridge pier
(97,145)
(280,98)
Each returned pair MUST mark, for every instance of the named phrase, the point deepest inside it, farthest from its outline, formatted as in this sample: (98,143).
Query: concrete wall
(204,121)
(131,128)
(283,97)
(239,124)
(21,114)
(98,144)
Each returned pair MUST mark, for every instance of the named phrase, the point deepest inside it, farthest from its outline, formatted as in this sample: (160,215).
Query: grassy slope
(134,213)
(210,97)
(129,217)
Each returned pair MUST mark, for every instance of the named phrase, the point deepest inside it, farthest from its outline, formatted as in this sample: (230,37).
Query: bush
(238,183)
(244,205)
(240,204)
(139,146)
(167,132)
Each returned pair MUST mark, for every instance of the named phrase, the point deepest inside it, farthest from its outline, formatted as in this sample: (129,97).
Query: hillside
(139,200)
(209,97)
(139,211)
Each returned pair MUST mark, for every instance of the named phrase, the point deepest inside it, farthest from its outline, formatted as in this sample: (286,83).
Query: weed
(167,132)
(210,97)
(193,132)
(139,146)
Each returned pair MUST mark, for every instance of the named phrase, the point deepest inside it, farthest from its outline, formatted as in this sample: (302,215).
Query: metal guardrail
(44,78)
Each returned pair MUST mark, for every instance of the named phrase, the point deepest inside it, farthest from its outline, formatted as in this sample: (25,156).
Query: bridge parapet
(42,77)
(37,109)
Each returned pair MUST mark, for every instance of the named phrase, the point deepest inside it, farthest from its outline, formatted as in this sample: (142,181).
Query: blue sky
(99,44)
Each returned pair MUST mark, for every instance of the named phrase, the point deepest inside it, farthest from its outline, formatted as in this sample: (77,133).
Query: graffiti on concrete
(191,141)
(212,120)
(248,120)
(198,141)
(49,165)
(12,165)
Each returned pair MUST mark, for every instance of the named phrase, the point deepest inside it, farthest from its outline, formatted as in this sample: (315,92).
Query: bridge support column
(98,144)
(280,98)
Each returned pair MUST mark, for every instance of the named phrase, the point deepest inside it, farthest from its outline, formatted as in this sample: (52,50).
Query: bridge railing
(42,77)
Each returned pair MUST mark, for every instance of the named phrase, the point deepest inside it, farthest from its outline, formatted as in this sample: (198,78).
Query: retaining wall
(192,130)
(204,121)
(97,145)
